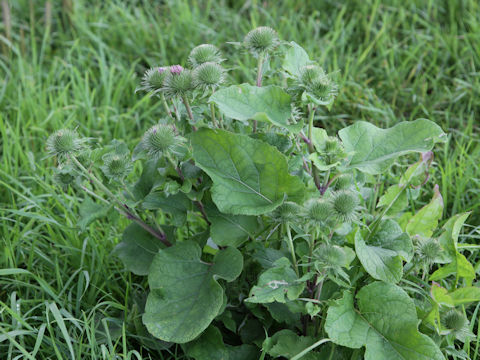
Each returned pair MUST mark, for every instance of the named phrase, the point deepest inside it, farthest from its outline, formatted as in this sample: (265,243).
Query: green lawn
(62,294)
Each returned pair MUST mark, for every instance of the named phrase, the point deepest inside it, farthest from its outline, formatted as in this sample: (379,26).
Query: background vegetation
(77,63)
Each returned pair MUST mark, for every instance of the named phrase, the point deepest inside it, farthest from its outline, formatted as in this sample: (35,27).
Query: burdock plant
(267,220)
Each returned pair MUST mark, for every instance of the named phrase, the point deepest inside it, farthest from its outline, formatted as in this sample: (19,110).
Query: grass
(63,296)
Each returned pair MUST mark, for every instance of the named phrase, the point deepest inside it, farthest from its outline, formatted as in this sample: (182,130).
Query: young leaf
(185,296)
(395,198)
(385,323)
(269,103)
(374,150)
(425,221)
(457,297)
(383,256)
(277,284)
(249,177)
(459,264)
(295,58)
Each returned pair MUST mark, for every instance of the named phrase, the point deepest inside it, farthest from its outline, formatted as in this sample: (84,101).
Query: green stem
(310,128)
(310,348)
(332,352)
(177,114)
(377,221)
(261,58)
(292,249)
(96,181)
(122,207)
(259,69)
(212,110)
(189,109)
(165,105)
(311,149)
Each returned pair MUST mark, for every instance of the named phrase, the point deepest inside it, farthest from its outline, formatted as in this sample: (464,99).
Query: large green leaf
(230,230)
(185,296)
(385,323)
(137,249)
(268,103)
(279,283)
(383,256)
(249,176)
(373,150)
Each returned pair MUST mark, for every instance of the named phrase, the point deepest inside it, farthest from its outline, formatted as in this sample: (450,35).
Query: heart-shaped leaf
(185,296)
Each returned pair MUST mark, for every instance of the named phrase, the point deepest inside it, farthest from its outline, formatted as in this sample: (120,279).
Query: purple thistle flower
(176,69)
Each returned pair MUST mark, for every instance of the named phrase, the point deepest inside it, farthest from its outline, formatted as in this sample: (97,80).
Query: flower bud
(317,84)
(63,143)
(176,69)
(209,75)
(429,250)
(319,210)
(287,212)
(454,320)
(344,182)
(160,139)
(309,73)
(261,40)
(153,79)
(345,204)
(116,167)
(204,53)
(178,81)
